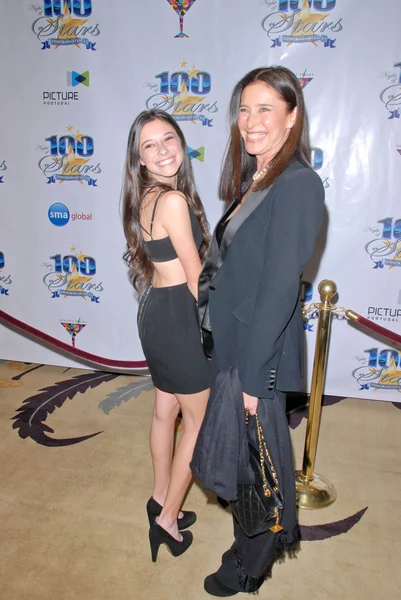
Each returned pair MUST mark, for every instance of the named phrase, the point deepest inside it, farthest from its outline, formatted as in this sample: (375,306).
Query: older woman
(249,305)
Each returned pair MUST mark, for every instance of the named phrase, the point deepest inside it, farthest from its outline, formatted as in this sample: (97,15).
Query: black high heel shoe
(154,509)
(158,535)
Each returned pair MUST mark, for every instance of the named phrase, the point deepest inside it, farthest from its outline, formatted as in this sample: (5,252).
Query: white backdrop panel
(111,60)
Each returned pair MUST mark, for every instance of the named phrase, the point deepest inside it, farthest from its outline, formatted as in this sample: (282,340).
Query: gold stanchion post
(313,490)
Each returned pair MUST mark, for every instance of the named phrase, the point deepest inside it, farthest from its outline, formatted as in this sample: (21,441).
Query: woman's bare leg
(193,408)
(161,439)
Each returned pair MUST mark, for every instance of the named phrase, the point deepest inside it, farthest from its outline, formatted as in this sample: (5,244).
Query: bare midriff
(168,274)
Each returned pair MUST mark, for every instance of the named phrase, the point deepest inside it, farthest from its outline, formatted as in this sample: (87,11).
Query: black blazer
(249,288)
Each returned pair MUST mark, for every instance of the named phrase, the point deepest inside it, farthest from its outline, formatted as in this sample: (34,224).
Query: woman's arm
(294,224)
(174,217)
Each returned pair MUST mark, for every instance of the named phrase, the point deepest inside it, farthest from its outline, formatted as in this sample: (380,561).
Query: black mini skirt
(171,341)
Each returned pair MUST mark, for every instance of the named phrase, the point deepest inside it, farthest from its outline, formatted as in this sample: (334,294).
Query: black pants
(249,560)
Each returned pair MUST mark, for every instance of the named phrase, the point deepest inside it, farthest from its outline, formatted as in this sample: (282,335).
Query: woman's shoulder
(297,173)
(172,204)
(299,187)
(174,198)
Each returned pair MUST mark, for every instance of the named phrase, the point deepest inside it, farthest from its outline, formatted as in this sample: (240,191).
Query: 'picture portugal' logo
(5,280)
(66,23)
(184,94)
(381,371)
(69,159)
(73,275)
(302,21)
(385,249)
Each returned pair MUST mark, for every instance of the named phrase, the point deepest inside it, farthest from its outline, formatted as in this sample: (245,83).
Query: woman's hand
(250,403)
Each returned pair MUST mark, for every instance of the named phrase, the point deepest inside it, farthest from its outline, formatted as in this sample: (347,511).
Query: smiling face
(160,150)
(264,121)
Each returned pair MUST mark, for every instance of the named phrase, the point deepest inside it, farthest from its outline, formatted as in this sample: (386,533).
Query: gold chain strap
(263,446)
(262,452)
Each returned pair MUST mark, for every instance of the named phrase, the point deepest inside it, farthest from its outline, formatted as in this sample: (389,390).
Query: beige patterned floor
(72,515)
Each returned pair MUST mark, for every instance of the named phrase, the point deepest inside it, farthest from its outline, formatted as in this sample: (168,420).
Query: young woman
(249,300)
(167,238)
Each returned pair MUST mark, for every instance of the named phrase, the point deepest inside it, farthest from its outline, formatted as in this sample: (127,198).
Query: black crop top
(162,250)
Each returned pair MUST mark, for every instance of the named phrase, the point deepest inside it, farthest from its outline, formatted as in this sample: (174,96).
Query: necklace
(259,174)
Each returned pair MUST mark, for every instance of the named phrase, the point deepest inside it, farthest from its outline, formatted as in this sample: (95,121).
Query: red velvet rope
(48,339)
(394,337)
(141,364)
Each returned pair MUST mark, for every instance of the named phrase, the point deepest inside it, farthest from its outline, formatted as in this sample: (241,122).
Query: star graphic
(306,18)
(390,375)
(69,128)
(397,254)
(193,72)
(73,249)
(73,279)
(73,161)
(78,136)
(184,63)
(186,99)
(67,26)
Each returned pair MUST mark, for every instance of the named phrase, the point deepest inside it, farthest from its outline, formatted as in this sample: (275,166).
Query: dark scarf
(221,455)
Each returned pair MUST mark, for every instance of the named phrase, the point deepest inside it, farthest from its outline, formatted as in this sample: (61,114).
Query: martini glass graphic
(73,329)
(181,7)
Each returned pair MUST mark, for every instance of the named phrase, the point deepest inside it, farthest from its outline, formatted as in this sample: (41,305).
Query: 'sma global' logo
(58,214)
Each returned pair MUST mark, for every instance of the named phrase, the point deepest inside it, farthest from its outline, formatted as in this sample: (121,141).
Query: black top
(221,226)
(162,250)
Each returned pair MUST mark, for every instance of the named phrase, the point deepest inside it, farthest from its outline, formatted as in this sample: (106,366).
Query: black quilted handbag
(259,506)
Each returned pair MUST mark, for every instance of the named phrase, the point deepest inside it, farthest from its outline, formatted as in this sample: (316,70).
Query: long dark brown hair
(239,166)
(137,183)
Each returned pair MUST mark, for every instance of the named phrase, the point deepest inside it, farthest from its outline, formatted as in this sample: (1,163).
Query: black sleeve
(295,221)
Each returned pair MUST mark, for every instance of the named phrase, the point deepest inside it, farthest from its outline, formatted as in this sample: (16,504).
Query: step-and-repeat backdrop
(75,73)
